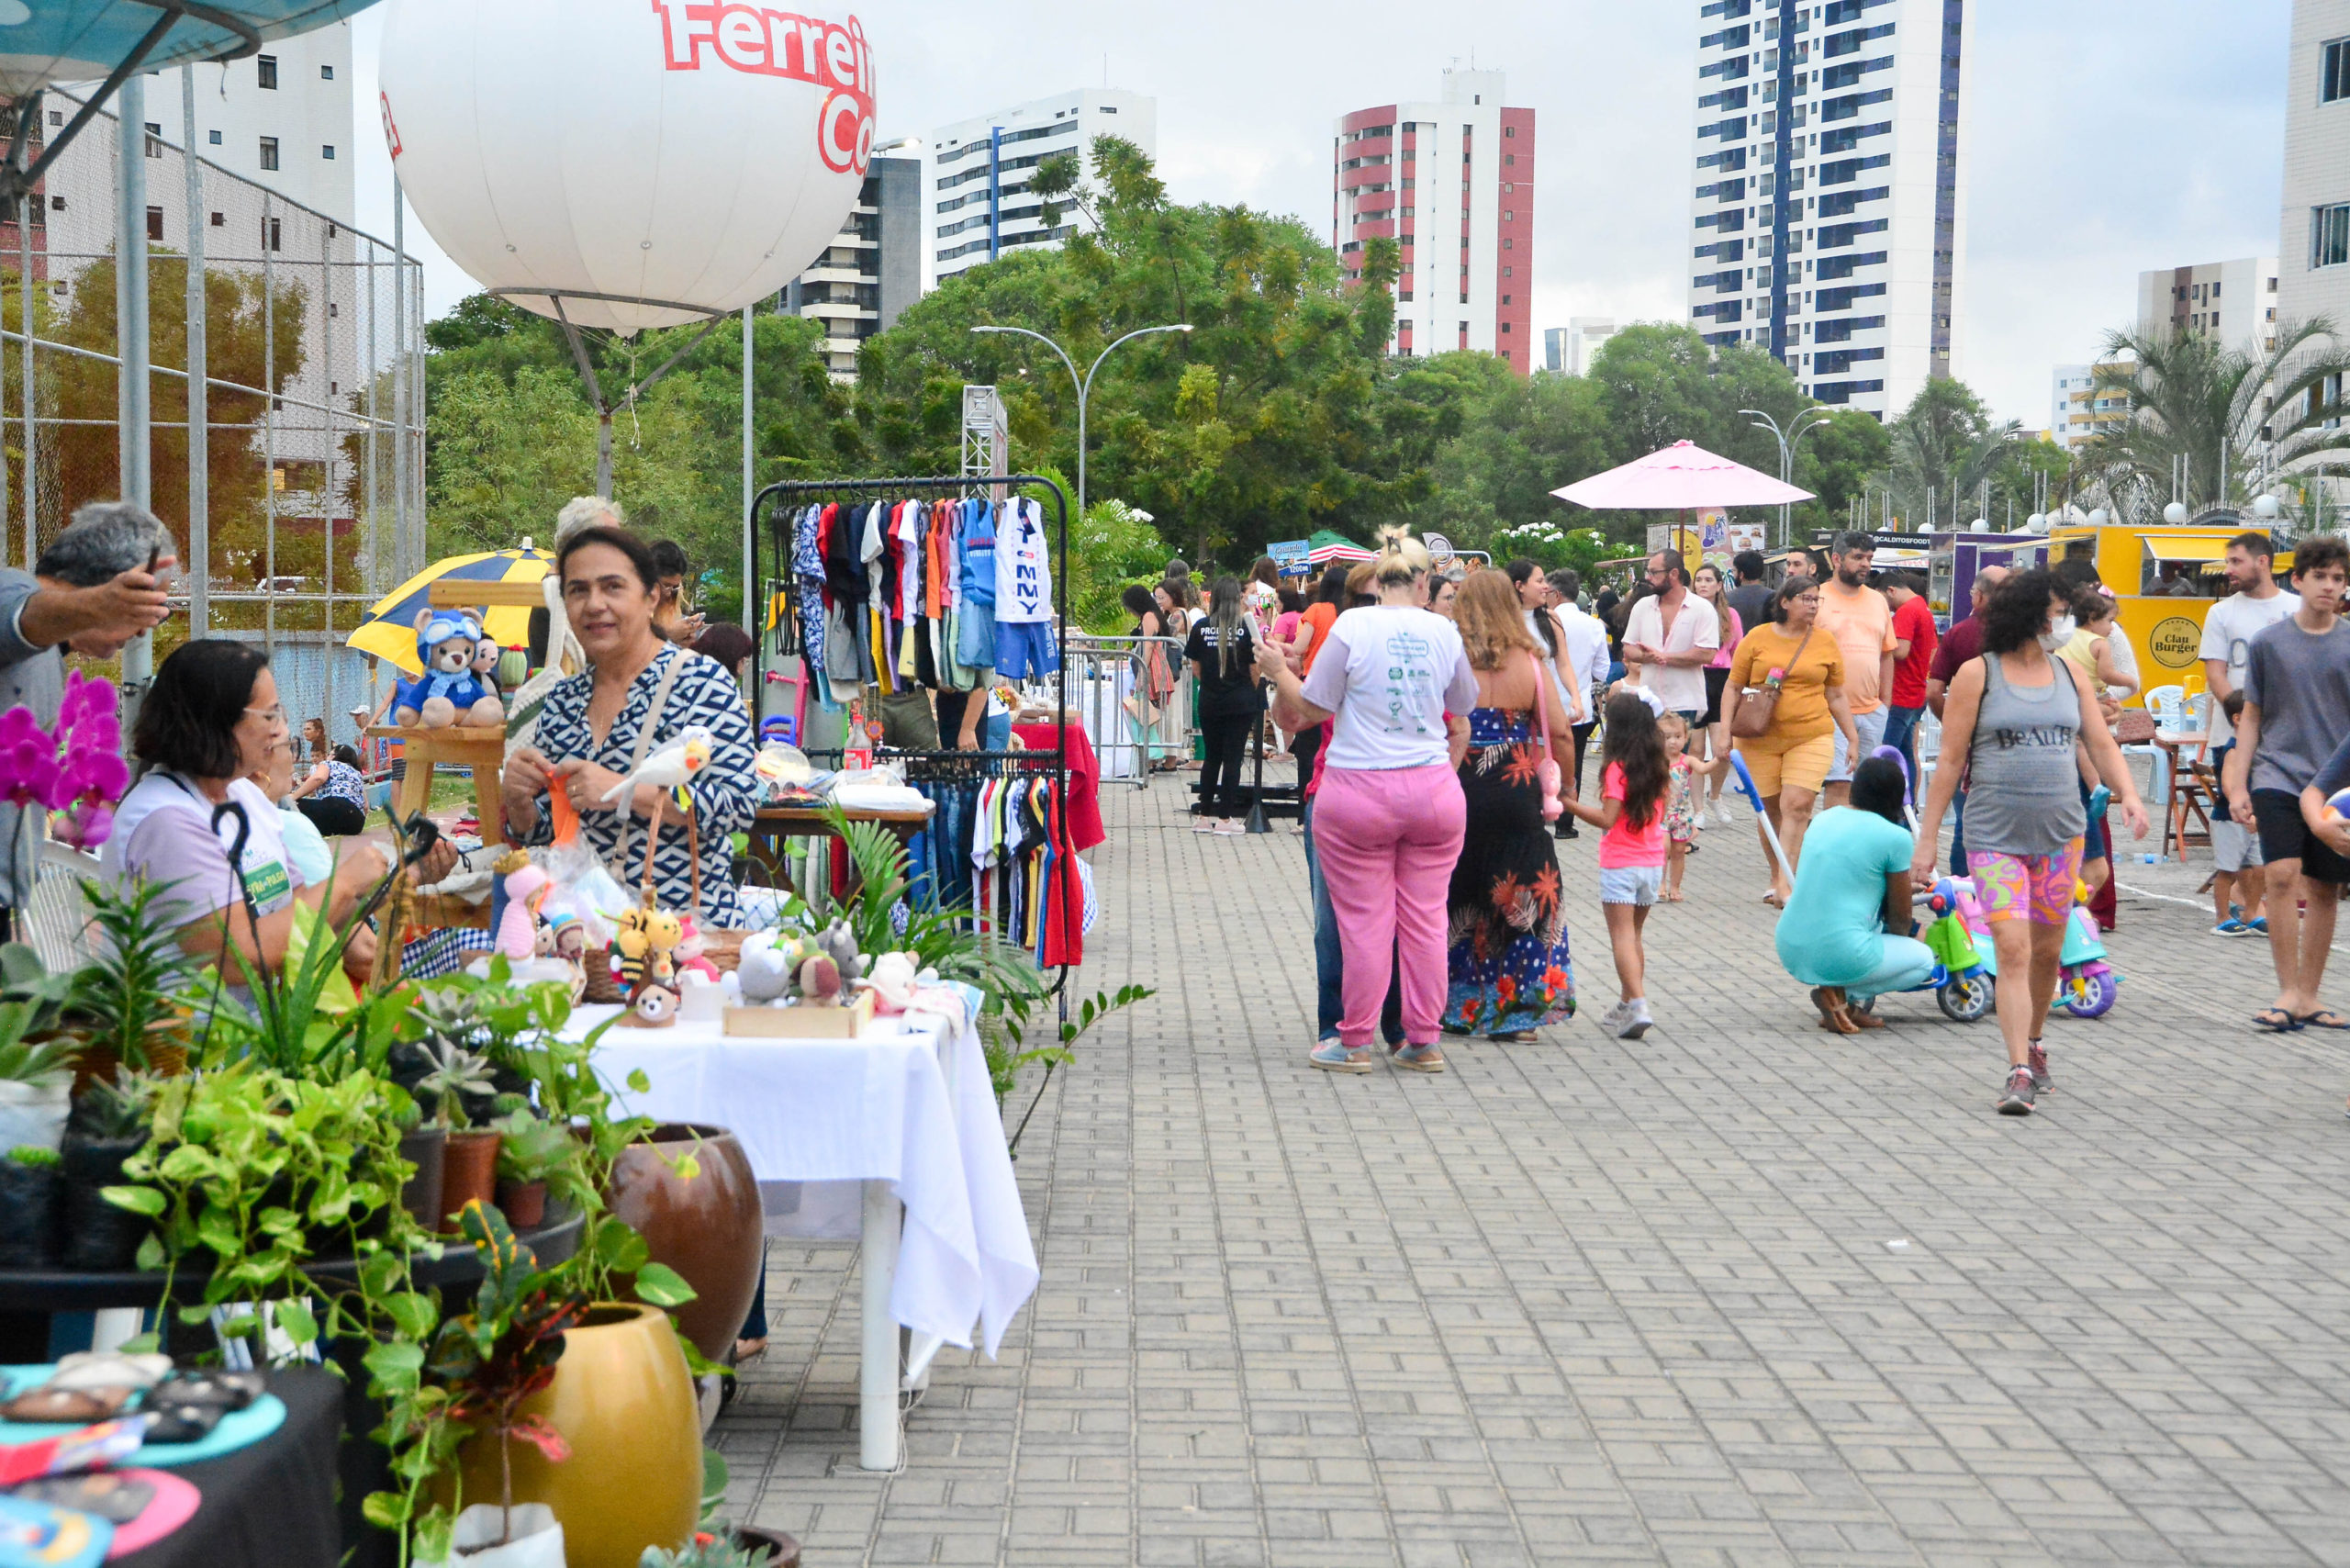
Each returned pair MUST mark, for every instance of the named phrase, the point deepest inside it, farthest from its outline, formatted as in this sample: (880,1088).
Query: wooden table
(773,824)
(481,748)
(2173,743)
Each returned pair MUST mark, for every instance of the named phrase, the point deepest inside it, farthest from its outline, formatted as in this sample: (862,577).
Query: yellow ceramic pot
(623,1400)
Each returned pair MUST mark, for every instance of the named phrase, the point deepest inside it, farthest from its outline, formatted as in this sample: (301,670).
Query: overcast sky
(2107,136)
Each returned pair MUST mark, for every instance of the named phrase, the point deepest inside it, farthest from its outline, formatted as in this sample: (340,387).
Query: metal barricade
(1132,736)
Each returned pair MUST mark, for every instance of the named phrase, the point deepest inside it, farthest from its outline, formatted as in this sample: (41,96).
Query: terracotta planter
(420,1193)
(468,1170)
(524,1204)
(707,1229)
(623,1400)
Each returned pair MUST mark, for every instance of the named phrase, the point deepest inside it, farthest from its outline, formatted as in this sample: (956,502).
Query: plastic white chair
(58,919)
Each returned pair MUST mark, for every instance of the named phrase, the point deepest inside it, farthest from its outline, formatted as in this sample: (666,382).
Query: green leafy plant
(138,984)
(25,1057)
(122,1109)
(1004,1062)
(456,1072)
(939,939)
(473,1380)
(34,1155)
(531,1149)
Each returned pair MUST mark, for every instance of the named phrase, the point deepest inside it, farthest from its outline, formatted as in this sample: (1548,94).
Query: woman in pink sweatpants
(1389,817)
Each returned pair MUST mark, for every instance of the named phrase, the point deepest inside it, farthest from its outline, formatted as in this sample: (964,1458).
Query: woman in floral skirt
(1507,970)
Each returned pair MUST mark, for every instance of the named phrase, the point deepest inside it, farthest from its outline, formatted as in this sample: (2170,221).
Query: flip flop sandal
(65,1405)
(2276,1020)
(2323,1018)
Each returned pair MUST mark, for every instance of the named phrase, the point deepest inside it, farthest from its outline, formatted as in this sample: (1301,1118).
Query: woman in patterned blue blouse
(587,733)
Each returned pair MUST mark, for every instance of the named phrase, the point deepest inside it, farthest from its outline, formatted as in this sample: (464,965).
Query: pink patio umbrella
(1684,477)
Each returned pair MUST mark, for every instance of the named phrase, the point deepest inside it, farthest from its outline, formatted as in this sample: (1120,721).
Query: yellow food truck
(2163,579)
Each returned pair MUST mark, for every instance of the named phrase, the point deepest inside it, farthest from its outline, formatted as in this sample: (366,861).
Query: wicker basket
(723,947)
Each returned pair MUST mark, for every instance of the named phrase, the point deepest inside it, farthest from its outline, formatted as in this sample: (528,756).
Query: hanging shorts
(2037,888)
(1025,649)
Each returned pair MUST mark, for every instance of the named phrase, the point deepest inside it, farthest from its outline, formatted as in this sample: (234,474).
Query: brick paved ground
(1582,1301)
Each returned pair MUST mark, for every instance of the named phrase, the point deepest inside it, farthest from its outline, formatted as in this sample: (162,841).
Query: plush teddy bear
(486,655)
(448,692)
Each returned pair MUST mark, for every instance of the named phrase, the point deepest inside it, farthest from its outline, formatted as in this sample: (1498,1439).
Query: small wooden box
(801,1023)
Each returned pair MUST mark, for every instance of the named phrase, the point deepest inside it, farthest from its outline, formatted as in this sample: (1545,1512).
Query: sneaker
(1610,1020)
(2016,1100)
(1331,1056)
(2232,927)
(1203,824)
(1228,828)
(1635,1021)
(1419,1059)
(2260,925)
(1722,810)
(2039,1064)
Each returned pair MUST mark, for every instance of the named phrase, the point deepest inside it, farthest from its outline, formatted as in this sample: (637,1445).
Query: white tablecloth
(914,1110)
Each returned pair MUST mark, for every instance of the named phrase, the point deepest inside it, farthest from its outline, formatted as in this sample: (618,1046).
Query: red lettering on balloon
(761,42)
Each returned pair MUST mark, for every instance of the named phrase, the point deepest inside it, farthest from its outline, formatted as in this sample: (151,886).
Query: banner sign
(1289,556)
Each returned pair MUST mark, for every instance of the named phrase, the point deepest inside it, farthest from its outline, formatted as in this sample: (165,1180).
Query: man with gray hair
(96,586)
(585,511)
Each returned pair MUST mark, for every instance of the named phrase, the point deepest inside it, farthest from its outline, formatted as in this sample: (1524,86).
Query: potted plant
(422,1144)
(469,1155)
(130,1001)
(110,1123)
(531,1149)
(36,1075)
(487,1362)
(29,1181)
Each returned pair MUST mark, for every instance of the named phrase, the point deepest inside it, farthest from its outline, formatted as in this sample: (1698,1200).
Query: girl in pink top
(1634,780)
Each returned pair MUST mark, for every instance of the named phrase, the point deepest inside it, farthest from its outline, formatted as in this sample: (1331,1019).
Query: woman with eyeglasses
(195,823)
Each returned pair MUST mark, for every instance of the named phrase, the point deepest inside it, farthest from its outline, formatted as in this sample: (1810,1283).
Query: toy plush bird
(671,766)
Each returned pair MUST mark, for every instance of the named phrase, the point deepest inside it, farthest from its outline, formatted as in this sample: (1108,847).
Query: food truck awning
(2187,543)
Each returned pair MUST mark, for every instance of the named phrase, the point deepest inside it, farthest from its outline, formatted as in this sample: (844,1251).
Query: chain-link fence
(304,461)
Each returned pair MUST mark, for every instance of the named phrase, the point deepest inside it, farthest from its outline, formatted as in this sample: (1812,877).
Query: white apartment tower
(2232,302)
(1831,197)
(1466,246)
(2314,277)
(976,203)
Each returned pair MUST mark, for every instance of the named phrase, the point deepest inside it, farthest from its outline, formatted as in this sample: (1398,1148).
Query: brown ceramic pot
(524,1204)
(708,1227)
(468,1170)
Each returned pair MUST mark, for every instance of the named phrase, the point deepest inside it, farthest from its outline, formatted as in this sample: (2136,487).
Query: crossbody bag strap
(1541,708)
(643,745)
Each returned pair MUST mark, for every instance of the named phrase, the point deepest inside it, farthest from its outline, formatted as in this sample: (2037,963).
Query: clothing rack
(780,502)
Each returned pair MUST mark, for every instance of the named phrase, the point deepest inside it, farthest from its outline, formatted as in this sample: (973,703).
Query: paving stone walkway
(1581,1301)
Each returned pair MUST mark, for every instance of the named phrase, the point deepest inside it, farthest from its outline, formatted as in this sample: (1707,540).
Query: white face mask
(2059,634)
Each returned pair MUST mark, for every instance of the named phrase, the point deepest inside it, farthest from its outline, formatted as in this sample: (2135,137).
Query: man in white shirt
(1667,644)
(2255,605)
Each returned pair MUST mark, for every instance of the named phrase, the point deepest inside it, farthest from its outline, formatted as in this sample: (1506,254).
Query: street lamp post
(1084,387)
(1789,439)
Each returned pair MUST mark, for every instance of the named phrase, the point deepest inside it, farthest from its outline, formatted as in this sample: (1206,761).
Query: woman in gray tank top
(2009,729)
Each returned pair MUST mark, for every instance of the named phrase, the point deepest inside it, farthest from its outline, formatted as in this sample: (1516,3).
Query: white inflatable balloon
(678,156)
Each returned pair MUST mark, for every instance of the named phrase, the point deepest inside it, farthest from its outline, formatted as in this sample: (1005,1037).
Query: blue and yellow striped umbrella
(389,630)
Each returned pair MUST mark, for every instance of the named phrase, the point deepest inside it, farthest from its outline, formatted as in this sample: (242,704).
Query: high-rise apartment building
(976,201)
(1569,349)
(1830,199)
(2314,277)
(1466,238)
(872,270)
(2077,410)
(2234,302)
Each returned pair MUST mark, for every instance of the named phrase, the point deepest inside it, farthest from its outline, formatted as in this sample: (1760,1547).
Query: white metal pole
(269,385)
(134,427)
(32,411)
(877,1359)
(750,554)
(197,567)
(400,385)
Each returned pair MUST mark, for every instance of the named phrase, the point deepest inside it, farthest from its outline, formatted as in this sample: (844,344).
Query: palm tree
(2243,419)
(1945,446)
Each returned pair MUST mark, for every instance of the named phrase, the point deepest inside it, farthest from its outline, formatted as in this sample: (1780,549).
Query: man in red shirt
(1913,658)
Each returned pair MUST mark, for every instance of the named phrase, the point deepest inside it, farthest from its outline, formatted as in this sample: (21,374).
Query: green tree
(2240,419)
(1275,416)
(1946,446)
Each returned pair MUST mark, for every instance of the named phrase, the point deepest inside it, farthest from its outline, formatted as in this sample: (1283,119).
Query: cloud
(2105,137)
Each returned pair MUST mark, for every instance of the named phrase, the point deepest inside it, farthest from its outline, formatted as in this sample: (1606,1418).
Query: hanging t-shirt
(1024,573)
(1224,693)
